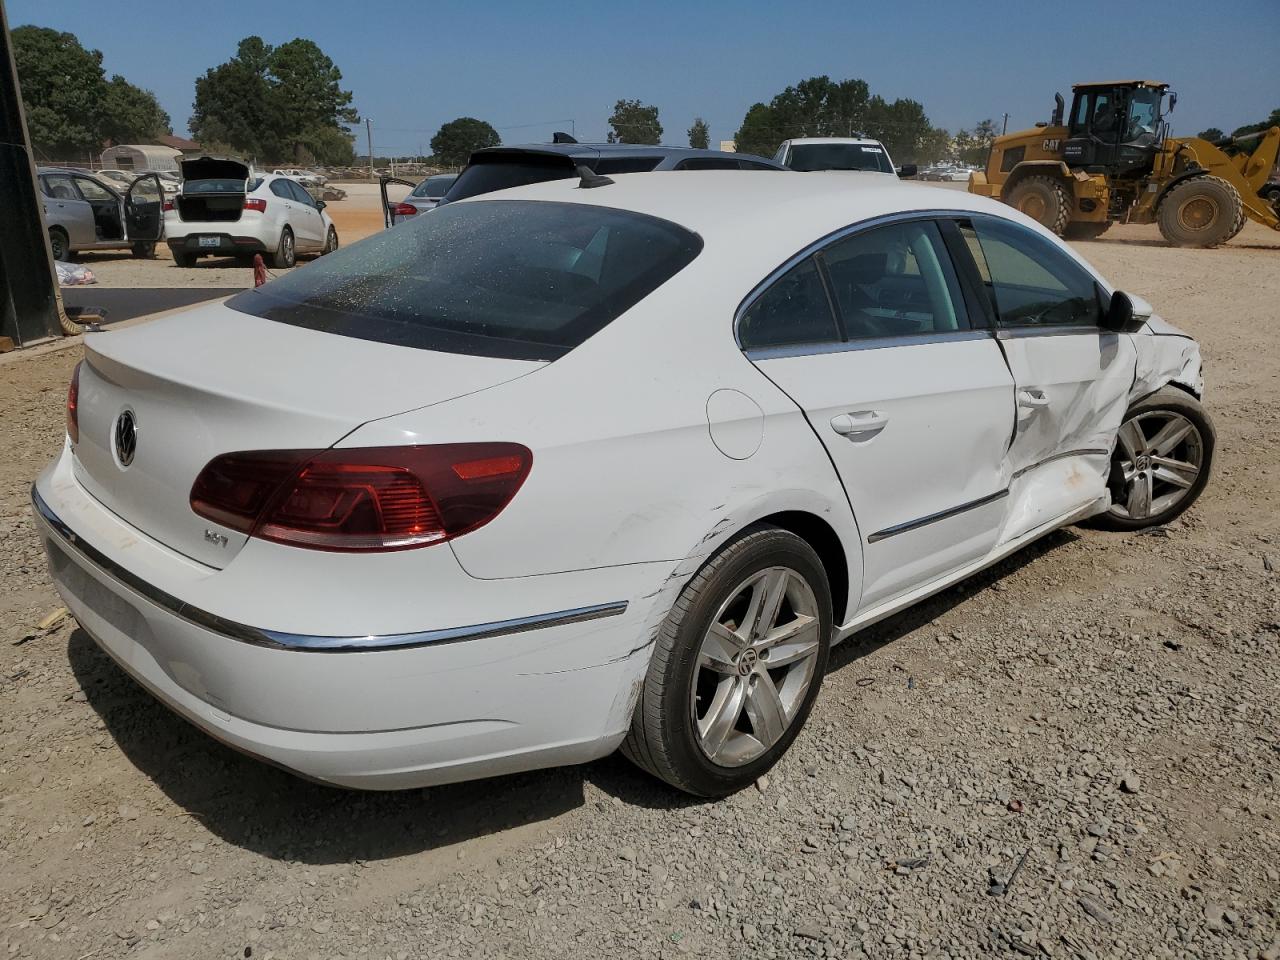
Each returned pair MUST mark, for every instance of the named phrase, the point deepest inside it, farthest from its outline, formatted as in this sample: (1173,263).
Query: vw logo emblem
(126,438)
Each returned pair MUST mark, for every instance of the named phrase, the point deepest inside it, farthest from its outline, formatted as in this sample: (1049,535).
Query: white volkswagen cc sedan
(595,464)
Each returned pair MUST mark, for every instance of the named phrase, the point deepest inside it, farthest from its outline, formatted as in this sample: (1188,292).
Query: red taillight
(404,210)
(373,498)
(255,203)
(167,206)
(73,406)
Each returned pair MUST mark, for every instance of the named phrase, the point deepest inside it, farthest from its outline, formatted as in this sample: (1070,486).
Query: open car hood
(214,168)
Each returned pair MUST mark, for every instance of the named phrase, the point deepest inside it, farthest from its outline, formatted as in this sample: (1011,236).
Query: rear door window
(281,189)
(709,163)
(793,311)
(895,280)
(58,186)
(519,279)
(607,165)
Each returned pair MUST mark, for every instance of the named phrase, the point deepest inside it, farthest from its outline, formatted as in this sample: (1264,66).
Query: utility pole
(368,130)
(1005,128)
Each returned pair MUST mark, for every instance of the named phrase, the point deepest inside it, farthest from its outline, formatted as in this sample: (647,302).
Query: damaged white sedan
(596,464)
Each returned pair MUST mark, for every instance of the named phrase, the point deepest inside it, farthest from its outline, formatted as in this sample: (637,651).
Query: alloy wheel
(1161,454)
(755,665)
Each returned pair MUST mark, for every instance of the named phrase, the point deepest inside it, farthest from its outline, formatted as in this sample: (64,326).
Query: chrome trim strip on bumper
(934,517)
(279,640)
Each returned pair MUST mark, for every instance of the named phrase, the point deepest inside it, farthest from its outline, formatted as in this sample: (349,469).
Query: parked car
(598,463)
(83,213)
(812,154)
(496,168)
(305,177)
(224,211)
(421,198)
(118,180)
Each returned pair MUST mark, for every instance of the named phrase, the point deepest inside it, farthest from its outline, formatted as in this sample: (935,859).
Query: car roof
(595,150)
(725,206)
(857,141)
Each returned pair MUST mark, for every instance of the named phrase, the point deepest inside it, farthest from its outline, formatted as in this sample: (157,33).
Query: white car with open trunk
(598,463)
(225,209)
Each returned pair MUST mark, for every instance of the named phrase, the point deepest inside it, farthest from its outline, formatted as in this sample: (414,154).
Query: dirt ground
(1101,709)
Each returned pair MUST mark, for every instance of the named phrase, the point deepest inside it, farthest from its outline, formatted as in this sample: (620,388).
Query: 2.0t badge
(126,436)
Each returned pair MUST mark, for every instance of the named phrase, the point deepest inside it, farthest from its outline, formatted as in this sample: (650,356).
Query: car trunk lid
(214,381)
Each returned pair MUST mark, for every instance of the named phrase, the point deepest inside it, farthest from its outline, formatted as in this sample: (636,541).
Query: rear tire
(1086,230)
(727,692)
(1165,453)
(1201,212)
(60,244)
(1043,199)
(184,259)
(286,254)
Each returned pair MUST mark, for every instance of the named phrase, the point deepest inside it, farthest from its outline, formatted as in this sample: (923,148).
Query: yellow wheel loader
(1111,160)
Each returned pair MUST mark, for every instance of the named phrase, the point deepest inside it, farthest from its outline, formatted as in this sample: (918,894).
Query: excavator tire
(1086,230)
(1043,199)
(1200,212)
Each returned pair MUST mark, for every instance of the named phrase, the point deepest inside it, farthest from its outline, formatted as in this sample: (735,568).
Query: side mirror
(320,204)
(1173,101)
(1125,313)
(907,171)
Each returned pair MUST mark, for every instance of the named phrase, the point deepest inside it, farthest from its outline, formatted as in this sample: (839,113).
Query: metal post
(368,129)
(1005,128)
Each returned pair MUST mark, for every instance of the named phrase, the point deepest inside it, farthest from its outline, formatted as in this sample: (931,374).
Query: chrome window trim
(1048,330)
(869,343)
(309,643)
(935,517)
(904,216)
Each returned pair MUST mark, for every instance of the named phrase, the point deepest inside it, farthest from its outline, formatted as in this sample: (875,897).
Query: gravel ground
(1073,755)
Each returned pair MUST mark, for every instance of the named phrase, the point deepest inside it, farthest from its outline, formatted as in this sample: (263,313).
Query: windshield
(519,279)
(434,187)
(808,157)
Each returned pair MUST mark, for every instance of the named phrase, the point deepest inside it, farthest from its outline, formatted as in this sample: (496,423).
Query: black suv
(496,168)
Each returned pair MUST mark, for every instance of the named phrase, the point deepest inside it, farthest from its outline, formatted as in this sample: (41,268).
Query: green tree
(822,107)
(699,134)
(935,147)
(1212,134)
(973,146)
(635,122)
(276,103)
(131,114)
(454,142)
(71,109)
(1267,124)
(757,134)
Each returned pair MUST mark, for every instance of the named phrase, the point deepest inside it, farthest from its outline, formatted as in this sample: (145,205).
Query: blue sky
(532,68)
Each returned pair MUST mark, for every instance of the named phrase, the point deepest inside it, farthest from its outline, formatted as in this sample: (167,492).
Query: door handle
(860,425)
(1032,399)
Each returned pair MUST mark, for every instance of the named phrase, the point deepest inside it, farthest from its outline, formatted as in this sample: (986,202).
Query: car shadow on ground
(253,805)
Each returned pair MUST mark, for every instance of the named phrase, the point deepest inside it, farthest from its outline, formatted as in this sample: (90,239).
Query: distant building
(181,143)
(729,146)
(145,156)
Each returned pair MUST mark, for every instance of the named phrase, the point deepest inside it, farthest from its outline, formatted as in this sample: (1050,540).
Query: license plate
(210,241)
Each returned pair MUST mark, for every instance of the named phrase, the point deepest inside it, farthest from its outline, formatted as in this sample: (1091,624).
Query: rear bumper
(227,244)
(495,698)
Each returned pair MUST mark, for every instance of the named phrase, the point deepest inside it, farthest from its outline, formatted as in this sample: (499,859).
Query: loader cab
(1116,128)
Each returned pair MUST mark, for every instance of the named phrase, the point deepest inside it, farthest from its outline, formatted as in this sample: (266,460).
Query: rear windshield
(838,156)
(519,279)
(220,186)
(433,187)
(485,175)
